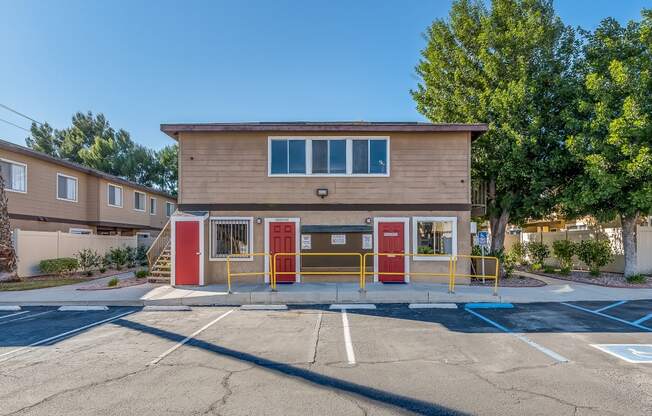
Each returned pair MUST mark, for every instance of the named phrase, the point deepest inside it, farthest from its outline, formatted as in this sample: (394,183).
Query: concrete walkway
(151,294)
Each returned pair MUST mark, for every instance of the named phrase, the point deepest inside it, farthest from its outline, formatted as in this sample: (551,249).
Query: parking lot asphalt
(535,359)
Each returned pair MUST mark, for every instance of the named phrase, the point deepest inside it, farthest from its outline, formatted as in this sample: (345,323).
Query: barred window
(231,236)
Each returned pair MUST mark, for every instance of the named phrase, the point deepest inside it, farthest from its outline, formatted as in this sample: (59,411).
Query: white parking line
(549,353)
(613,305)
(25,317)
(13,314)
(188,338)
(10,308)
(63,334)
(348,345)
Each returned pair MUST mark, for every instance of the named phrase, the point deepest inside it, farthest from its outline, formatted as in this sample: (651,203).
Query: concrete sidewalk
(310,293)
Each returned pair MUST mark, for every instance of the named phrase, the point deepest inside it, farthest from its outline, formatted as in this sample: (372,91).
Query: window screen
(13,175)
(66,188)
(115,196)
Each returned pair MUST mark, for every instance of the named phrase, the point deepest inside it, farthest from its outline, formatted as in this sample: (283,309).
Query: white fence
(34,246)
(614,235)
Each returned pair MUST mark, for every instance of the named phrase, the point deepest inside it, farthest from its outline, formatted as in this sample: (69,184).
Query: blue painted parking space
(632,353)
(35,324)
(635,313)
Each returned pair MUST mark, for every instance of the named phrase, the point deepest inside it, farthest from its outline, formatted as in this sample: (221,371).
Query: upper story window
(139,201)
(169,208)
(152,206)
(328,156)
(14,175)
(114,195)
(66,187)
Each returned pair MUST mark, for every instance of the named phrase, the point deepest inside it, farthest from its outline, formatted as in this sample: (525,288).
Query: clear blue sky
(142,62)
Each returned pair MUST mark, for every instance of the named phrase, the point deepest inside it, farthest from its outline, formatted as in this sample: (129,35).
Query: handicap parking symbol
(632,353)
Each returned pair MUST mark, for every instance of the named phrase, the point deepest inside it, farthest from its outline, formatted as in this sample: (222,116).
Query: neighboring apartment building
(50,194)
(321,187)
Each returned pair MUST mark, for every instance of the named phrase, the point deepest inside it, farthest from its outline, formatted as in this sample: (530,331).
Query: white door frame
(406,243)
(297,238)
(182,218)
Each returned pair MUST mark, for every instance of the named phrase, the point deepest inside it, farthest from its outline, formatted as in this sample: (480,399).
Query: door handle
(198,253)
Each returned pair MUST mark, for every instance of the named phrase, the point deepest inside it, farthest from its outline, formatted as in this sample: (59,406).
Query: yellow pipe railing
(229,275)
(359,273)
(481,276)
(449,274)
(362,273)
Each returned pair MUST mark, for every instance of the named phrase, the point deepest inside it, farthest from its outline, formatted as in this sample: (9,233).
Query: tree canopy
(614,144)
(92,142)
(512,66)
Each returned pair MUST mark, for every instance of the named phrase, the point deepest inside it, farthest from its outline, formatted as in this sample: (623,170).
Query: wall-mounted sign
(338,239)
(367,242)
(306,242)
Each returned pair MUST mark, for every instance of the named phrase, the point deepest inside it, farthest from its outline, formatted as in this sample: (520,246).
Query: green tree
(614,146)
(510,66)
(91,141)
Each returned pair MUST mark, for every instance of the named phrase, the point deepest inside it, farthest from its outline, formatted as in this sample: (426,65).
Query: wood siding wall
(41,198)
(232,168)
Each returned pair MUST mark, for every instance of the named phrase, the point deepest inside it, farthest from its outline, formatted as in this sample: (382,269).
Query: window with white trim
(169,208)
(152,206)
(14,175)
(114,195)
(231,235)
(139,201)
(328,156)
(434,235)
(66,187)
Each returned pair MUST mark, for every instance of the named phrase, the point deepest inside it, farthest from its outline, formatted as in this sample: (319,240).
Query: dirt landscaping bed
(514,281)
(605,279)
(45,281)
(131,281)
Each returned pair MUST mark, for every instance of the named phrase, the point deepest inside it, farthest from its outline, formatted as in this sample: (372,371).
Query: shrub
(142,273)
(130,256)
(548,269)
(118,257)
(595,254)
(60,266)
(88,260)
(518,253)
(538,252)
(141,255)
(564,251)
(102,269)
(636,278)
(113,282)
(425,250)
(509,262)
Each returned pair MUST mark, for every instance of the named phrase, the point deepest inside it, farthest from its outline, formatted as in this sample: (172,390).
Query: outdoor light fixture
(322,193)
(368,220)
(259,220)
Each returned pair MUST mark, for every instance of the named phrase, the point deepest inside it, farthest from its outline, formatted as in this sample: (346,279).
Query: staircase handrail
(159,244)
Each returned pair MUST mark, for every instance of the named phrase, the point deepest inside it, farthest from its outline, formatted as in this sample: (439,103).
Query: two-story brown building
(50,194)
(335,187)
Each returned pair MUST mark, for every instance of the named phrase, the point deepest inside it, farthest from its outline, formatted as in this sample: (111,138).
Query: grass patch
(637,278)
(113,282)
(30,284)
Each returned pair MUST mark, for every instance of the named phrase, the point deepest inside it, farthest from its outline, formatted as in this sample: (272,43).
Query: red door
(186,252)
(282,239)
(391,240)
